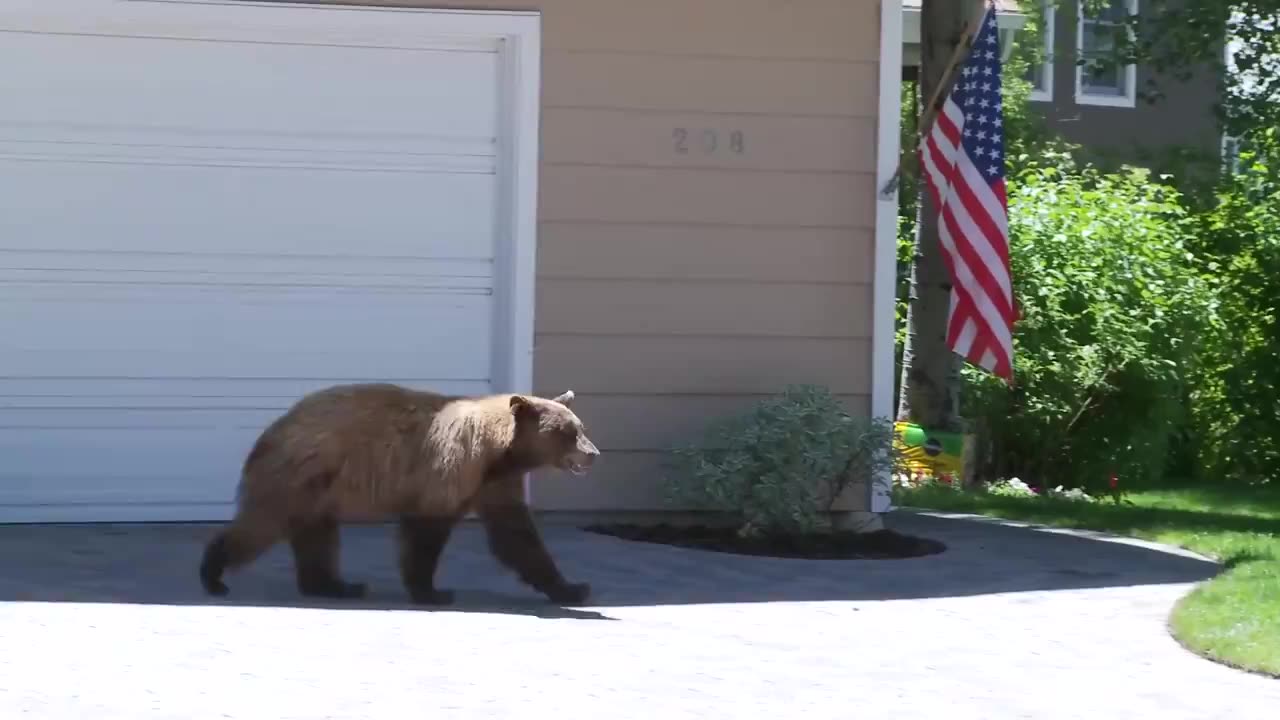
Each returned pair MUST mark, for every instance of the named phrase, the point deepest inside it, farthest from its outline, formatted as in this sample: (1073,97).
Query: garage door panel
(111,394)
(236,86)
(141,332)
(123,464)
(86,268)
(208,210)
(84,206)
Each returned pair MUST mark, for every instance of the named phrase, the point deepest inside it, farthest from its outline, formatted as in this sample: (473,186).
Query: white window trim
(1130,98)
(1050,30)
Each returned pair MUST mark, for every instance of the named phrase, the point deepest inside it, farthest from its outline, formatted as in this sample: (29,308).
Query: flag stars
(976,97)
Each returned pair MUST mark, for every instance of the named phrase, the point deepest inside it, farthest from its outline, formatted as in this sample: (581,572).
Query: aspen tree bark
(930,384)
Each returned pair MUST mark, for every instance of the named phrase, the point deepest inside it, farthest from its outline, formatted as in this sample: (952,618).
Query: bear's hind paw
(337,590)
(431,597)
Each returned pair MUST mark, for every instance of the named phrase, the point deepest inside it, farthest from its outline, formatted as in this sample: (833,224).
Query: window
(1040,74)
(1100,81)
(1231,147)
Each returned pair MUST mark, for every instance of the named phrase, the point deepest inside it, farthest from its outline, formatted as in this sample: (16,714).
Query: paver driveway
(107,623)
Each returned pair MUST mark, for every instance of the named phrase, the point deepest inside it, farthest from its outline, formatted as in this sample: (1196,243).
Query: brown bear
(374,451)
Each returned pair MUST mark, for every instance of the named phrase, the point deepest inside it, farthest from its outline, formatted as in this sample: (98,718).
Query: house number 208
(708,141)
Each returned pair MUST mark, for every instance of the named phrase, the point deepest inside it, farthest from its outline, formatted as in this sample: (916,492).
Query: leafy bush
(1235,393)
(779,466)
(1113,306)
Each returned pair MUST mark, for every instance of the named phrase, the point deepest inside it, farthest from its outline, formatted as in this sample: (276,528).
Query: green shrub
(1113,306)
(1235,392)
(779,466)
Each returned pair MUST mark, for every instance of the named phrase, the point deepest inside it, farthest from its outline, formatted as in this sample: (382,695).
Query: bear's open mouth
(575,467)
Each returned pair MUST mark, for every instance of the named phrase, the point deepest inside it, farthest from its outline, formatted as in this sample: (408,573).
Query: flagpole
(926,119)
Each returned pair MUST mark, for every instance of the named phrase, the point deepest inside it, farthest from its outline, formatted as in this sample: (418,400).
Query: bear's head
(549,434)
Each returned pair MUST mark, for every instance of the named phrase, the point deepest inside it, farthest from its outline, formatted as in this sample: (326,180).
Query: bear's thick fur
(379,451)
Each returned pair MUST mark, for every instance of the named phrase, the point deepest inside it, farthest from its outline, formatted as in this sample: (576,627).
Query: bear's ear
(521,405)
(565,398)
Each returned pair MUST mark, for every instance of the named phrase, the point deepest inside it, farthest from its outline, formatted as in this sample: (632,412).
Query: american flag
(963,162)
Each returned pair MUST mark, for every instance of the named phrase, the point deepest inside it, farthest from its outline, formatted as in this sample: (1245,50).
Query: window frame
(1129,71)
(1042,86)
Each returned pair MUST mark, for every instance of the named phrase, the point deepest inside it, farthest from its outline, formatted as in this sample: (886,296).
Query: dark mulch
(845,545)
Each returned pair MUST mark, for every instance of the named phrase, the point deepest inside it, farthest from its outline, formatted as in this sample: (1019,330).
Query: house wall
(679,281)
(1184,117)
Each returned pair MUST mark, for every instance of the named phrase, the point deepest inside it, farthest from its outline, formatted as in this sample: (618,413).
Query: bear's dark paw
(334,589)
(568,593)
(431,597)
(214,587)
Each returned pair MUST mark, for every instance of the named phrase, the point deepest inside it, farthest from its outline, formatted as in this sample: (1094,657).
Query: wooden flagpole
(934,106)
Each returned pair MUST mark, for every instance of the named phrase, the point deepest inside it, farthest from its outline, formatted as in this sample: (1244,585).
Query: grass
(1233,618)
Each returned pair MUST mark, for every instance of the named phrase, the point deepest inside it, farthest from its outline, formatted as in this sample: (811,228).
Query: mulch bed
(846,545)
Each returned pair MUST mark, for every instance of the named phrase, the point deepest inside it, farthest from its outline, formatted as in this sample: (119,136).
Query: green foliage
(1150,306)
(1182,38)
(1113,306)
(779,466)
(1235,396)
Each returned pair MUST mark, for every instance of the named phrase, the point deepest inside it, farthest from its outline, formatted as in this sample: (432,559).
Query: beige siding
(693,253)
(660,308)
(699,197)
(678,278)
(590,136)
(636,364)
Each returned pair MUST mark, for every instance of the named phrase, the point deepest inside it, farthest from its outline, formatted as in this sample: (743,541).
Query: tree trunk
(930,383)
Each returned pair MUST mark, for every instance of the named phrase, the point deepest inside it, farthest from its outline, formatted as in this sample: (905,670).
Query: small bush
(779,466)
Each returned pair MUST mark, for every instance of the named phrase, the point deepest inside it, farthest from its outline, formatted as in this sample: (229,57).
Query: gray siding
(1183,117)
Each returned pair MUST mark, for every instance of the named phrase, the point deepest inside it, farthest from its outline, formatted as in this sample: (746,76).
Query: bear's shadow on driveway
(157,563)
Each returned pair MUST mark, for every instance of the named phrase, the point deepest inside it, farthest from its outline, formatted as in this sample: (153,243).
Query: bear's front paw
(569,593)
(216,588)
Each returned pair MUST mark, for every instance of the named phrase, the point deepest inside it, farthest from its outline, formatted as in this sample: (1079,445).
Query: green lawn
(1235,617)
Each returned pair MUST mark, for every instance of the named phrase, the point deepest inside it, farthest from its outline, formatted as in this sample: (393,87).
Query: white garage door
(209,209)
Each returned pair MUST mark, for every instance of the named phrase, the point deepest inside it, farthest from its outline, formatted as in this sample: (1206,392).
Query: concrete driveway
(109,623)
